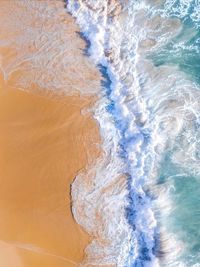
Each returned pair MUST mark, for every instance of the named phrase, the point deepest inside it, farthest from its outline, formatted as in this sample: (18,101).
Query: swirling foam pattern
(140,202)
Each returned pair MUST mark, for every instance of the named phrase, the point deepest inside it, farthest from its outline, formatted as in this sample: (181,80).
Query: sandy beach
(45,83)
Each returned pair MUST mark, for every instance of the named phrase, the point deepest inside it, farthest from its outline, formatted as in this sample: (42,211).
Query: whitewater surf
(140,202)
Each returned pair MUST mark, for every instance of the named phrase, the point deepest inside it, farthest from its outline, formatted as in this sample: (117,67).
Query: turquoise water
(183,51)
(184,216)
(150,124)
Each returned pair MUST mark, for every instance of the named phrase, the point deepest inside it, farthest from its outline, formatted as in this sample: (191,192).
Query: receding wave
(149,119)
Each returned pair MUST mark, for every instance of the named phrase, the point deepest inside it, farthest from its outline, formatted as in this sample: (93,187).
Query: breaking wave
(134,201)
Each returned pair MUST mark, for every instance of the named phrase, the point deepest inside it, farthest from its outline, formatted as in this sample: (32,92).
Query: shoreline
(46,137)
(35,193)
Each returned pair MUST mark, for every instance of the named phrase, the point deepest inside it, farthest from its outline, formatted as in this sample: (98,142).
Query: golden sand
(44,139)
(44,143)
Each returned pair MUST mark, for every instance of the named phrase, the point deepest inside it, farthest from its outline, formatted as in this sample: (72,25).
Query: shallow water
(149,118)
(138,203)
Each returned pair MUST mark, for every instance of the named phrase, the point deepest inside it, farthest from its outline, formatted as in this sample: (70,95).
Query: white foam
(150,112)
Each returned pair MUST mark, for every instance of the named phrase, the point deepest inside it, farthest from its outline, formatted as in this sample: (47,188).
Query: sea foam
(142,111)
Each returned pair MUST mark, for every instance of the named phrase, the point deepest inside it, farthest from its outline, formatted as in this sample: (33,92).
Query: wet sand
(44,139)
(40,48)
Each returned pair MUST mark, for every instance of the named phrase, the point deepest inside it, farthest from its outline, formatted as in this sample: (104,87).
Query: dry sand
(44,139)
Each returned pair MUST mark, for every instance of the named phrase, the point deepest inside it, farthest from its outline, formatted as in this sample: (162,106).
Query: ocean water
(142,202)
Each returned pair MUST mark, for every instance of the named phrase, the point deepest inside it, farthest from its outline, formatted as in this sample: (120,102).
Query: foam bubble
(144,110)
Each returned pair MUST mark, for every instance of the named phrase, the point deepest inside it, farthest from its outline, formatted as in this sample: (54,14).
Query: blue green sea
(148,52)
(182,175)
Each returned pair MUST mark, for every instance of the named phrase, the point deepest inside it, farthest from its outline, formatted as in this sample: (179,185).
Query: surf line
(132,137)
